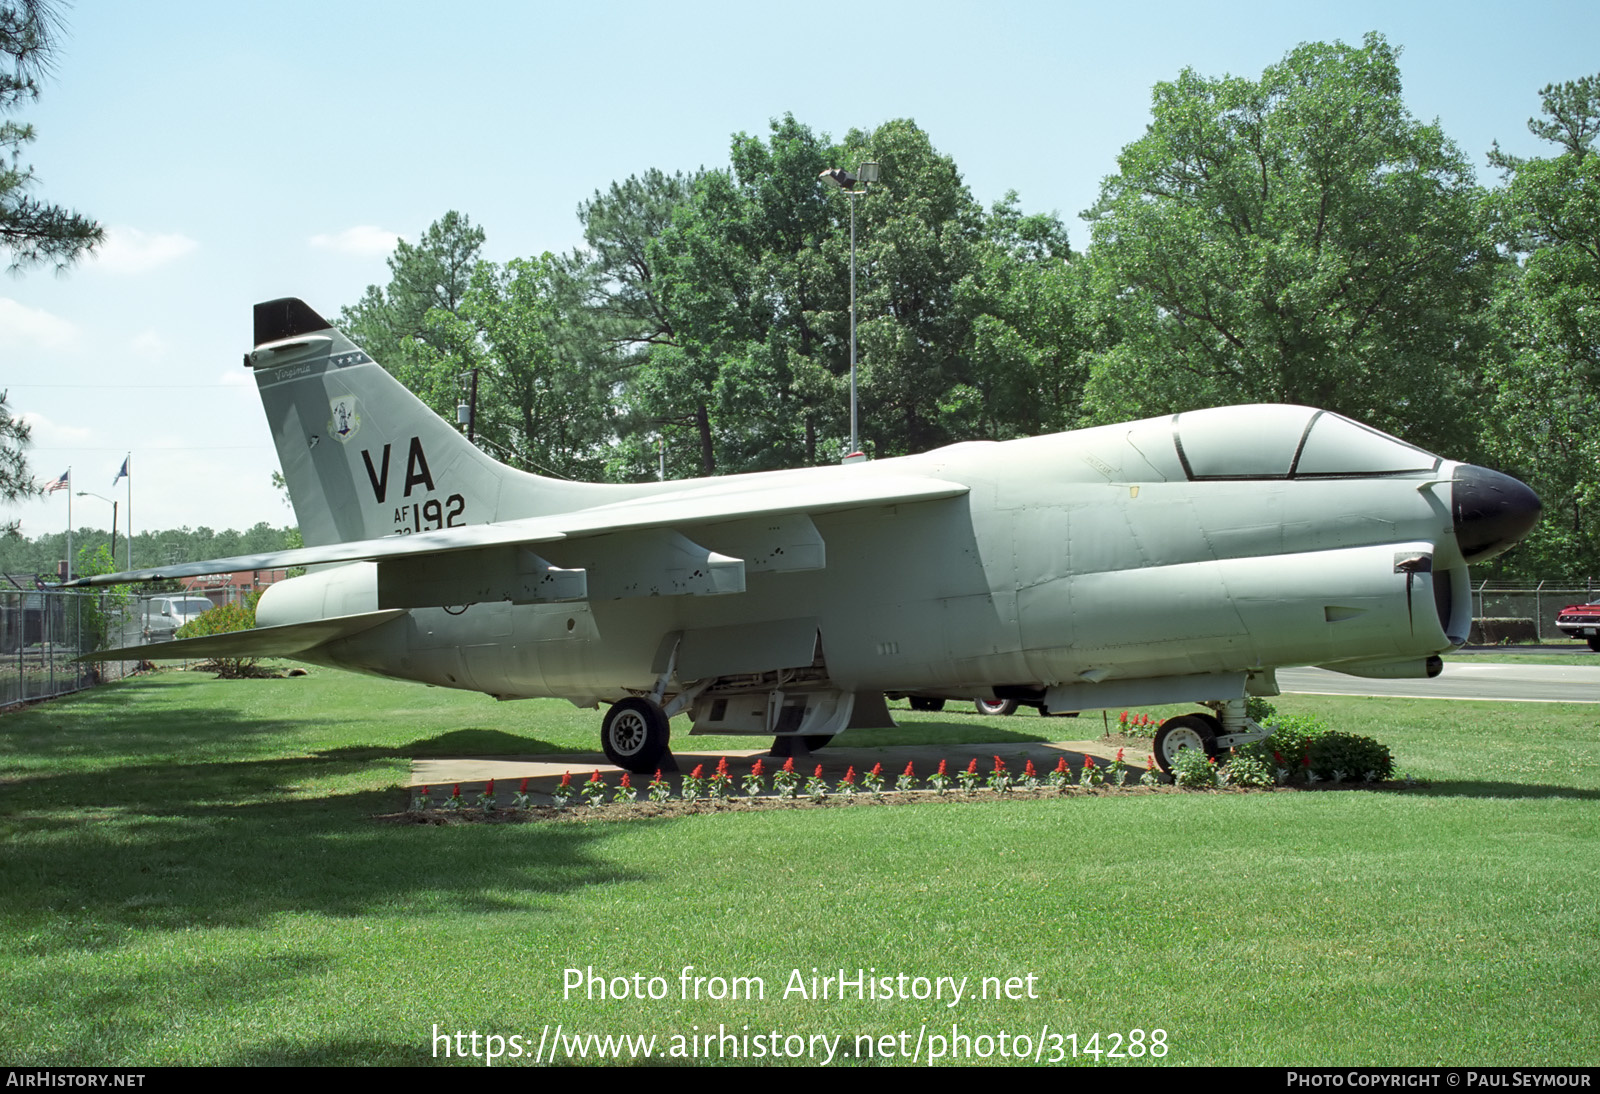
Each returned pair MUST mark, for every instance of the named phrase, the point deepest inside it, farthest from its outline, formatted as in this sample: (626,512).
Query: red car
(1581,621)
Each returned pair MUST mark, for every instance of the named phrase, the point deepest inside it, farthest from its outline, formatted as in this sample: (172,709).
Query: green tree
(617,268)
(919,234)
(1026,301)
(15,483)
(33,232)
(397,324)
(649,315)
(542,403)
(751,280)
(1301,238)
(1547,382)
(101,611)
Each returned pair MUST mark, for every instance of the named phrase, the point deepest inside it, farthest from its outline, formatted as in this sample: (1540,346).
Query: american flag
(63,483)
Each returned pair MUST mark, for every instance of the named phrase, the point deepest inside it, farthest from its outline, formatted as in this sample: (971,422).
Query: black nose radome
(1491,511)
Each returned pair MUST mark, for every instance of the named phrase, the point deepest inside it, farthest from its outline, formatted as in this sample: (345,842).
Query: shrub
(1193,770)
(1258,710)
(1250,771)
(1296,738)
(225,620)
(1359,758)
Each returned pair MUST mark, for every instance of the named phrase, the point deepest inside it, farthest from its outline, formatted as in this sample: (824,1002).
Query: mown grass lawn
(190,873)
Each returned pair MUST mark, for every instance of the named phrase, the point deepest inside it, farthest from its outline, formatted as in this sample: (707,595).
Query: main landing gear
(1212,734)
(635,735)
(1185,731)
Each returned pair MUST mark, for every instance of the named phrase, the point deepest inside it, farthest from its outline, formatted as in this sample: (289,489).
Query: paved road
(1502,683)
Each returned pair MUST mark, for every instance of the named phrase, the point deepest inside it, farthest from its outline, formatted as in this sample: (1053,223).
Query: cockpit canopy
(1278,441)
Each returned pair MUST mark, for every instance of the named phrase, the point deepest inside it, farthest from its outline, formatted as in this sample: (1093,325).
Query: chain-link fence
(43,630)
(1533,606)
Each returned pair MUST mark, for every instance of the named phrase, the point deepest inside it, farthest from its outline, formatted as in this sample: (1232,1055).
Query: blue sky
(237,153)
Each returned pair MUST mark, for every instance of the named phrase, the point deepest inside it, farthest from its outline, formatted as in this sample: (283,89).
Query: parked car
(1581,621)
(998,707)
(165,614)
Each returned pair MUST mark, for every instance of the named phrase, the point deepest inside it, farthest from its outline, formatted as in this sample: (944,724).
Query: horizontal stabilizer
(284,641)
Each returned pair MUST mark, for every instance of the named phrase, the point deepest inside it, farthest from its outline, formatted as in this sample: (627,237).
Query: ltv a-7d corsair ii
(1175,559)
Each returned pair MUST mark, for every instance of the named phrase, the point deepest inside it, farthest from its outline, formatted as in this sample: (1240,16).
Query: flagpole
(69,524)
(127,470)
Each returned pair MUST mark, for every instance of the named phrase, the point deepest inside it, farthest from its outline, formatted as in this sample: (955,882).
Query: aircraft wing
(719,503)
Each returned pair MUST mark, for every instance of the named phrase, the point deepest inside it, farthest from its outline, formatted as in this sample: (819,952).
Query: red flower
(722,767)
(817,774)
(1061,766)
(523,788)
(1277,757)
(1088,761)
(1150,762)
(424,790)
(1119,755)
(1028,771)
(942,771)
(998,766)
(566,780)
(1308,759)
(850,776)
(658,775)
(910,774)
(699,772)
(1124,718)
(625,784)
(877,769)
(456,791)
(788,765)
(756,770)
(972,768)
(489,790)
(596,776)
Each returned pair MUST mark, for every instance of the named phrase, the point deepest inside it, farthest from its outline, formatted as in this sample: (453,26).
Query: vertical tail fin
(363,457)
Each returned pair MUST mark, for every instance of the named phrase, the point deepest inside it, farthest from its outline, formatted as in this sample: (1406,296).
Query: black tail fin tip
(285,318)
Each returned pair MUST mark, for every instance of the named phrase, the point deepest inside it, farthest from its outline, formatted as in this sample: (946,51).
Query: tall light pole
(113,504)
(848,181)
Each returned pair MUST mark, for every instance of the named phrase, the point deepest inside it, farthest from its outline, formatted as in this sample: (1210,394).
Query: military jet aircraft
(1177,559)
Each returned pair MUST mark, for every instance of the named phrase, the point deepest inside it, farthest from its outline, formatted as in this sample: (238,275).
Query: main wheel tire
(1594,644)
(996,707)
(635,735)
(919,703)
(1184,731)
(814,741)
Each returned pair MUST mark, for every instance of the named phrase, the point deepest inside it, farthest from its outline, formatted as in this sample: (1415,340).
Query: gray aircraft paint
(1177,558)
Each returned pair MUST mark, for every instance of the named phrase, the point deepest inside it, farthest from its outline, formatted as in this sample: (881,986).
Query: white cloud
(149,345)
(22,327)
(49,434)
(128,250)
(364,240)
